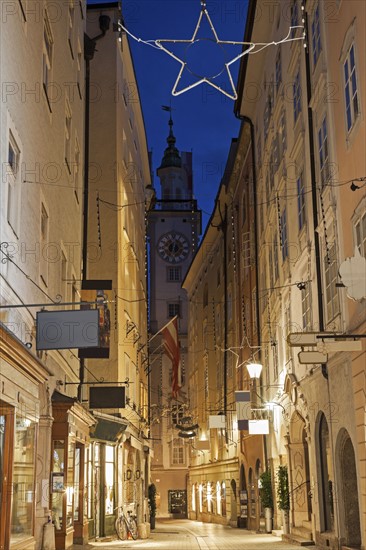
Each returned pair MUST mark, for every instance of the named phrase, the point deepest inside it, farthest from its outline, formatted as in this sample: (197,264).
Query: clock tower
(174,227)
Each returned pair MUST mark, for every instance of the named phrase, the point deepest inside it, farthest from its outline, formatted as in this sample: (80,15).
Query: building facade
(308,126)
(221,284)
(174,226)
(42,125)
(62,459)
(119,172)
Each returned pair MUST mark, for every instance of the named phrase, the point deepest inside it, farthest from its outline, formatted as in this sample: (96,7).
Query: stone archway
(299,472)
(350,512)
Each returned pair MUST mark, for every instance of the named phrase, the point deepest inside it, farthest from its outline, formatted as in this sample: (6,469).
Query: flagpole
(162,328)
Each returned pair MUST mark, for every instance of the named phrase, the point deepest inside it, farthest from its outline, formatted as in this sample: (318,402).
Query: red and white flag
(172,349)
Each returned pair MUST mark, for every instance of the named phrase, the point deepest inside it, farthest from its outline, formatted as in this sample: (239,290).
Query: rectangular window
(278,69)
(173,309)
(350,88)
(271,270)
(71,27)
(297,95)
(206,382)
(254,310)
(77,173)
(64,287)
(79,72)
(174,274)
(44,243)
(177,454)
(13,184)
(323,152)
(275,360)
(301,202)
(294,17)
(315,36)
(331,275)
(306,306)
(128,373)
(23,482)
(109,480)
(276,272)
(282,134)
(13,154)
(47,56)
(267,115)
(283,229)
(22,4)
(244,208)
(275,155)
(68,119)
(360,234)
(259,150)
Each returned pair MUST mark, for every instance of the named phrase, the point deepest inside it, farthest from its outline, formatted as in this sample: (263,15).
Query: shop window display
(23,479)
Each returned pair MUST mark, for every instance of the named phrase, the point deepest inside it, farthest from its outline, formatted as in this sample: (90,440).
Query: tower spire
(171,154)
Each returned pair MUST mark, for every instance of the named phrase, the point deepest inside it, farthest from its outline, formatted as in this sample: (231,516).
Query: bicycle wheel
(132,527)
(121,529)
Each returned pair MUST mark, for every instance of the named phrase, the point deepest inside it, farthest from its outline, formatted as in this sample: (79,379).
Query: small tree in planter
(283,496)
(152,504)
(267,497)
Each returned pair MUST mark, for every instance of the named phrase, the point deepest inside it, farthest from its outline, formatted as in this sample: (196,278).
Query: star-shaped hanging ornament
(248,48)
(210,80)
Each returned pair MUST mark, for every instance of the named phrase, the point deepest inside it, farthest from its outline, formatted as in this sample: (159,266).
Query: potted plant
(265,491)
(283,496)
(152,504)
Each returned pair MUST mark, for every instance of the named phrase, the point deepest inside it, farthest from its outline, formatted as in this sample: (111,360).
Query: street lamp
(254,370)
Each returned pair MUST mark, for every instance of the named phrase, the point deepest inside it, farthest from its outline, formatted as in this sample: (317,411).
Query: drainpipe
(89,49)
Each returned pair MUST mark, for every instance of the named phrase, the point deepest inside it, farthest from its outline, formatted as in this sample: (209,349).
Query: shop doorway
(299,471)
(177,503)
(351,529)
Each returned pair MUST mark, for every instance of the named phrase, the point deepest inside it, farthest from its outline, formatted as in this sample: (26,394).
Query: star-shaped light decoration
(232,94)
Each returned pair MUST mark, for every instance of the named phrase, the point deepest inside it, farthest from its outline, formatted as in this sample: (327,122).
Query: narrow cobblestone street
(193,535)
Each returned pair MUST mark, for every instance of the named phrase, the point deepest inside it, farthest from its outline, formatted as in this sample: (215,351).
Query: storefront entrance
(70,437)
(177,502)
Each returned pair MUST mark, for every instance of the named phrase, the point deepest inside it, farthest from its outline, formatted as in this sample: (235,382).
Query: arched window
(223,498)
(193,501)
(218,498)
(205,296)
(326,476)
(209,497)
(200,499)
(251,488)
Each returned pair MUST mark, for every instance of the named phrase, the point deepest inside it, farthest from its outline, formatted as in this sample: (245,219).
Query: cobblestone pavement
(194,535)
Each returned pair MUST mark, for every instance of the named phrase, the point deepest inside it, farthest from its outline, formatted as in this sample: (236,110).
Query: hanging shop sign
(99,292)
(67,329)
(217,421)
(107,397)
(243,409)
(258,427)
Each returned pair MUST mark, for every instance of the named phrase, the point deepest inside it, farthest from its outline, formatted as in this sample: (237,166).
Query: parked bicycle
(126,523)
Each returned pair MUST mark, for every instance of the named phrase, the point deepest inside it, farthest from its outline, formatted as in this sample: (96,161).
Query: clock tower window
(174,274)
(173,309)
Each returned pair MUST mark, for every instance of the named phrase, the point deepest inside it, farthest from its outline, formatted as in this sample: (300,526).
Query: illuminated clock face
(173,247)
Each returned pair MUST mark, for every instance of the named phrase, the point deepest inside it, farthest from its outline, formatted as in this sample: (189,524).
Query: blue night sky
(204,120)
